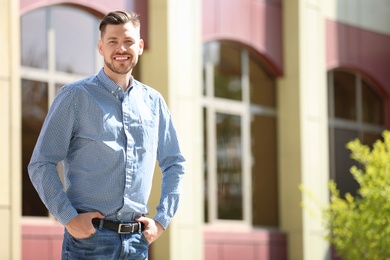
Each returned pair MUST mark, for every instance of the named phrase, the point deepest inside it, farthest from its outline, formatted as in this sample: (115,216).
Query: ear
(141,47)
(100,47)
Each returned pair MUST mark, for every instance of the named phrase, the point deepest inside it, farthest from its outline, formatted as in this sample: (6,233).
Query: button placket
(129,143)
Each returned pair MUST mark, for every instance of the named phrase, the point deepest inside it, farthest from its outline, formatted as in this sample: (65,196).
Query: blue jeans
(105,244)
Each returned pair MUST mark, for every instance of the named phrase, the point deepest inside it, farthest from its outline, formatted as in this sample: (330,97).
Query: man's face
(120,47)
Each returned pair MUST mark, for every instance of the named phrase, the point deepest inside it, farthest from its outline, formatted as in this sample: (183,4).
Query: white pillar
(314,115)
(185,90)
(10,131)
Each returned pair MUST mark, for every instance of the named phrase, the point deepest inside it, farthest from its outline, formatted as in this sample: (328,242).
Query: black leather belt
(121,228)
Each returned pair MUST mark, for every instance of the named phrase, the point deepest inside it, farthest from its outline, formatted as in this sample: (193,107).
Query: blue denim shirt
(109,141)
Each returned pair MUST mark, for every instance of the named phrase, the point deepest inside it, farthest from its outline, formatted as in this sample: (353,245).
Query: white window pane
(34,39)
(75,40)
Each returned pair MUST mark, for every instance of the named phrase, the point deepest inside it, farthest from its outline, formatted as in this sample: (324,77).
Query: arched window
(59,45)
(240,158)
(356,110)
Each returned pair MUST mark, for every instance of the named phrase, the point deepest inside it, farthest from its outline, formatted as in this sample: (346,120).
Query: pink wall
(42,241)
(252,245)
(255,23)
(366,51)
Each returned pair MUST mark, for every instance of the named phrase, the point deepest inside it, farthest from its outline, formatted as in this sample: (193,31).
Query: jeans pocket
(101,245)
(85,238)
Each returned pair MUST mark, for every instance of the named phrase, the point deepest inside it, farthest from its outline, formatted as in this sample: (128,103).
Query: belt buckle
(125,226)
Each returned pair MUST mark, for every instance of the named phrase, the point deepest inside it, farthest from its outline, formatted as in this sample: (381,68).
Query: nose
(122,48)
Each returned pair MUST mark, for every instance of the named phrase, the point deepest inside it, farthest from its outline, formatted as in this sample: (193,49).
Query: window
(356,110)
(59,45)
(239,112)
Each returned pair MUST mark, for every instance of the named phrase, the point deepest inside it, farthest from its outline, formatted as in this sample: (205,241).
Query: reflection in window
(343,162)
(74,30)
(262,85)
(345,95)
(264,168)
(355,111)
(373,110)
(34,110)
(59,45)
(34,39)
(227,80)
(229,170)
(75,40)
(234,80)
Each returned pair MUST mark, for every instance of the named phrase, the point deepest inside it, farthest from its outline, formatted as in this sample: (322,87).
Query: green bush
(359,227)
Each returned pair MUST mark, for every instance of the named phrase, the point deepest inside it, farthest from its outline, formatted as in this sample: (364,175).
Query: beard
(121,69)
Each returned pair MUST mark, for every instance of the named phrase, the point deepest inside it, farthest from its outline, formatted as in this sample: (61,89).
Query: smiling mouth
(121,58)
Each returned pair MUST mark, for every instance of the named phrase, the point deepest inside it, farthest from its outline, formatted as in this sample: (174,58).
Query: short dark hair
(119,17)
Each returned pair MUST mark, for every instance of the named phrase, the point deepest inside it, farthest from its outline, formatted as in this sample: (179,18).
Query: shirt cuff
(64,219)
(163,219)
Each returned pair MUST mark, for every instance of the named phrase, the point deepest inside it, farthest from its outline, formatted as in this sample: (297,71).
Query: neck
(122,80)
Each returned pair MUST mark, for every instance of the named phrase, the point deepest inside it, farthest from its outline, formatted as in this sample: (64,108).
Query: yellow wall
(172,65)
(303,137)
(10,118)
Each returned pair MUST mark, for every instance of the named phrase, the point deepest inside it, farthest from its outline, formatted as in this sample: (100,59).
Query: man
(108,130)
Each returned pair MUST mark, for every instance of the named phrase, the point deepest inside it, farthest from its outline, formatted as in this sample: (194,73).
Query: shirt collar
(111,86)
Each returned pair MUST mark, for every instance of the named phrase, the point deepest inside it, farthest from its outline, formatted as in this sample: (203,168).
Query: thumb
(142,220)
(96,215)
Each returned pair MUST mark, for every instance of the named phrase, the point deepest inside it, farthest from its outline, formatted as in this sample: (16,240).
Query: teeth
(121,58)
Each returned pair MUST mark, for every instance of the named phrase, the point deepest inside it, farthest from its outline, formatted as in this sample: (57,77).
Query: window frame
(246,110)
(357,125)
(53,77)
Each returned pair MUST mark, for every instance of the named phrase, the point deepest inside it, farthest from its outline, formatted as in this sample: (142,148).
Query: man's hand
(153,229)
(81,226)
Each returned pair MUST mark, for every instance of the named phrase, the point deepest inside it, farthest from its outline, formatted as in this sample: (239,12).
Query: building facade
(264,93)
(287,84)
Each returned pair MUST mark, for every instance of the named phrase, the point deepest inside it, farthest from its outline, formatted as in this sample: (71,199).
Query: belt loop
(101,222)
(139,227)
